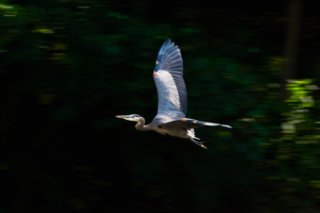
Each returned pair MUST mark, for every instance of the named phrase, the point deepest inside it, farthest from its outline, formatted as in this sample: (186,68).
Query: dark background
(68,67)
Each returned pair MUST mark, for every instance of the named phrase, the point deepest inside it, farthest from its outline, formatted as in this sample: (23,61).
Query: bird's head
(132,117)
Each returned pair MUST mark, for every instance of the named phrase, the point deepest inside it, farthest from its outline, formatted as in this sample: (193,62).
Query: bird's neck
(140,124)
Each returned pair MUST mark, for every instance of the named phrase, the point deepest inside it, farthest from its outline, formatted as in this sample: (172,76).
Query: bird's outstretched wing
(168,77)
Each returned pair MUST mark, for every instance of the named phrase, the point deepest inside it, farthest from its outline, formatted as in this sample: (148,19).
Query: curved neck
(140,124)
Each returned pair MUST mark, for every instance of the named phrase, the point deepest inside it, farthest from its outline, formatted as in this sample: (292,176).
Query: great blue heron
(172,99)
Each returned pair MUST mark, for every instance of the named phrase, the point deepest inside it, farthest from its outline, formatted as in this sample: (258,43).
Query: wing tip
(169,51)
(168,42)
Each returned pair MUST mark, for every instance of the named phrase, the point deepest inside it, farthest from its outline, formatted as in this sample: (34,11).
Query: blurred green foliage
(68,67)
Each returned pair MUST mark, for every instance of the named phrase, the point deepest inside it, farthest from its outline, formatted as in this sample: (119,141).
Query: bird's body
(172,99)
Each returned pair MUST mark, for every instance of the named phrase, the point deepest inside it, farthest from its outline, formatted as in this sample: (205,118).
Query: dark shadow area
(68,67)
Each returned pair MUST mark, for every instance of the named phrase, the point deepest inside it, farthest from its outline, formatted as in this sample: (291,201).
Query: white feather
(168,96)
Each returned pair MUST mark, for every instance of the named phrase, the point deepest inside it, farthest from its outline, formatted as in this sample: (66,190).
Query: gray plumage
(172,99)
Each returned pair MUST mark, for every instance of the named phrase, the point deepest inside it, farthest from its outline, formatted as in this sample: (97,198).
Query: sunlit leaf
(44,30)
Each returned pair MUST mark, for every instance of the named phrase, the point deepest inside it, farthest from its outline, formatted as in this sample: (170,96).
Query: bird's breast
(175,132)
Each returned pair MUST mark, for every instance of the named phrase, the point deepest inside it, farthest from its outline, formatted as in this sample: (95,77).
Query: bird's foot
(226,126)
(199,143)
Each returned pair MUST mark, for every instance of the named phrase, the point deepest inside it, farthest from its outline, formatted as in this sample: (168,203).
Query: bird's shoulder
(161,119)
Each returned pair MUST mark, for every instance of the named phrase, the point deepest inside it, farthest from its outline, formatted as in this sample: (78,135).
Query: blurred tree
(292,43)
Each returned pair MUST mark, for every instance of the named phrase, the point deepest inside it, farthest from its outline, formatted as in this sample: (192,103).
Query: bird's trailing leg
(199,143)
(197,123)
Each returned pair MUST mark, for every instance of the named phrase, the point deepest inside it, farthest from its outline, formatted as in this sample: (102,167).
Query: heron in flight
(172,99)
